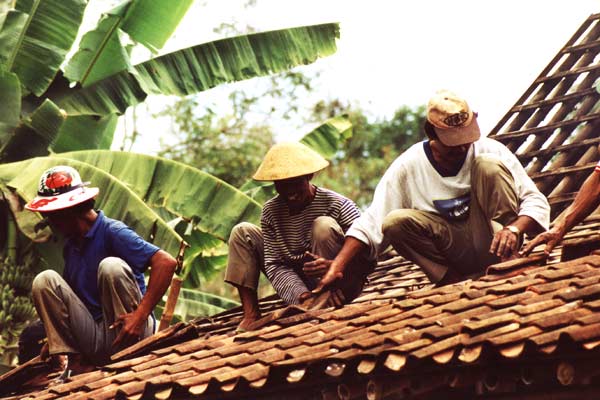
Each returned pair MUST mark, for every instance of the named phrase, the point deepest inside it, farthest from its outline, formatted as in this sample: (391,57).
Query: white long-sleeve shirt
(412,182)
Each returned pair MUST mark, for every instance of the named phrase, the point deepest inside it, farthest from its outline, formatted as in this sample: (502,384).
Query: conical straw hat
(289,160)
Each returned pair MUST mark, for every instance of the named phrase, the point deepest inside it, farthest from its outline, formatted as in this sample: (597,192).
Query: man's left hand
(131,329)
(505,244)
(318,267)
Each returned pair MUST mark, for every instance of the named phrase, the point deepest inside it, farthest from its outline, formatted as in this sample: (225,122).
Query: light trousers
(436,244)
(69,325)
(246,255)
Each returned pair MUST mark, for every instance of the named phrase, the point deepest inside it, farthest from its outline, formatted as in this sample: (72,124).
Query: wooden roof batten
(553,127)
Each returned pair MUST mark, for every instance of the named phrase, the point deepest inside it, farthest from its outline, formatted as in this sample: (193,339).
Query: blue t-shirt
(106,238)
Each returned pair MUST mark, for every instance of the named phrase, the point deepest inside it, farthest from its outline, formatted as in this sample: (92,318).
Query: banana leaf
(202,67)
(33,137)
(115,198)
(211,204)
(85,132)
(204,255)
(101,51)
(10,111)
(152,22)
(327,137)
(36,37)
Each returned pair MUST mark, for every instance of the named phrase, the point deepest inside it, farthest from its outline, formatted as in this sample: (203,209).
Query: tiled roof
(544,315)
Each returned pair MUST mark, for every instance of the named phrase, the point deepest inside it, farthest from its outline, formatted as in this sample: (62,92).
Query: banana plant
(51,104)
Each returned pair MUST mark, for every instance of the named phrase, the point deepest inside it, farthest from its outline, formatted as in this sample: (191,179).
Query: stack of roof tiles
(529,327)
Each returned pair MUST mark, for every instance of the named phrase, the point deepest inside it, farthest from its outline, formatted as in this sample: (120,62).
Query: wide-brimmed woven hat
(60,187)
(289,160)
(453,120)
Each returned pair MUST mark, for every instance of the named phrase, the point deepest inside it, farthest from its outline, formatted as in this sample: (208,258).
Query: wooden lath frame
(554,127)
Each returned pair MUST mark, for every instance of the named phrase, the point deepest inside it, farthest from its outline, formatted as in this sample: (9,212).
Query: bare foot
(246,323)
(58,362)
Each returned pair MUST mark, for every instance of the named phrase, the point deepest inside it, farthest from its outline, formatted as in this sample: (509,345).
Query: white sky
(397,52)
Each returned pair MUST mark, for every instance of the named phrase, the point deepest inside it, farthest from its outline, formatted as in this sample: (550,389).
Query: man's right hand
(334,273)
(551,237)
(318,267)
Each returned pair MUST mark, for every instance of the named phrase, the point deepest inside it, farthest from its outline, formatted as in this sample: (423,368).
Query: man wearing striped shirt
(300,225)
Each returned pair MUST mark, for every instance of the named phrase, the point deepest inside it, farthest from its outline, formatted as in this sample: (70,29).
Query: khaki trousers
(246,256)
(436,244)
(70,327)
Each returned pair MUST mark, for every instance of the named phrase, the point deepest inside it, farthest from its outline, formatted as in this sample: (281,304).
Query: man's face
(449,156)
(295,191)
(62,221)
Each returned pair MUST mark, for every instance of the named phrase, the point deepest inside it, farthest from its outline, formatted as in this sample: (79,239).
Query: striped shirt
(287,237)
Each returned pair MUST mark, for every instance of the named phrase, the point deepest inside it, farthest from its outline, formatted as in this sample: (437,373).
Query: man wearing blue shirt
(100,304)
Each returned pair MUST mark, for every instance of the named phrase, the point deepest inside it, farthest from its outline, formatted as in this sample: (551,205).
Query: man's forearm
(351,248)
(585,202)
(162,268)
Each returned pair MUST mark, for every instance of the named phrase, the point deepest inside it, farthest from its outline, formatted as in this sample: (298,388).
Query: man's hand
(336,298)
(132,327)
(333,274)
(327,298)
(551,237)
(318,267)
(505,244)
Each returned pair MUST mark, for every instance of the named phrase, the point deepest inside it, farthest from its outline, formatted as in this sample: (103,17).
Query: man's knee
(400,221)
(485,167)
(242,231)
(324,227)
(112,267)
(45,280)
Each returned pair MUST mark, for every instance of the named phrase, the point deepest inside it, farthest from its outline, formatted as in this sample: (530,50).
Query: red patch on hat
(42,202)
(58,180)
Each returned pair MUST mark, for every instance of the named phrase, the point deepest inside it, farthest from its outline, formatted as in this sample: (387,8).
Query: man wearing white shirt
(453,204)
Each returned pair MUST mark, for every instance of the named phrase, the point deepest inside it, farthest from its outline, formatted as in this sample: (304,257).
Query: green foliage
(16,308)
(226,147)
(194,304)
(358,167)
(231,145)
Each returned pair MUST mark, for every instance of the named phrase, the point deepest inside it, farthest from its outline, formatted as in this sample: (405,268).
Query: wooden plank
(564,171)
(546,129)
(551,151)
(565,66)
(581,47)
(573,72)
(554,100)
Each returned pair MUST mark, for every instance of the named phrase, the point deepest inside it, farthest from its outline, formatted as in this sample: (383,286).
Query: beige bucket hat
(289,160)
(453,120)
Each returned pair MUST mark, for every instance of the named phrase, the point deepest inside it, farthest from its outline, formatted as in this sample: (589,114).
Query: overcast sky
(399,52)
